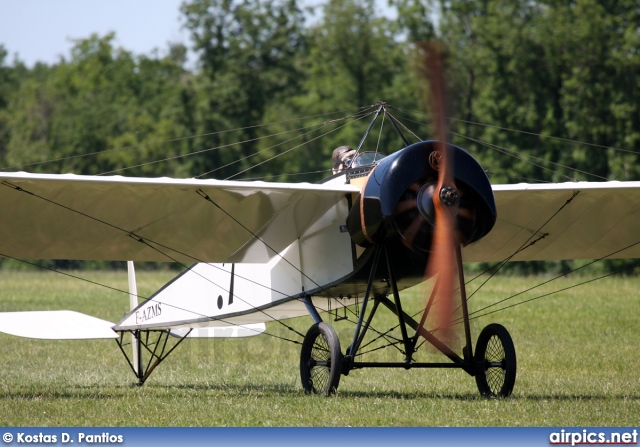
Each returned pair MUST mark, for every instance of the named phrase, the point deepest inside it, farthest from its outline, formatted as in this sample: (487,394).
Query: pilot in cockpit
(343,158)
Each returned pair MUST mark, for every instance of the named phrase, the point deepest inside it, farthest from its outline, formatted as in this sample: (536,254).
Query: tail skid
(152,346)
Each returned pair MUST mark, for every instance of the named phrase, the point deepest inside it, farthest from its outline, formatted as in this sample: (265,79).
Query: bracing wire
(151,244)
(562,275)
(148,243)
(363,112)
(294,148)
(172,140)
(522,156)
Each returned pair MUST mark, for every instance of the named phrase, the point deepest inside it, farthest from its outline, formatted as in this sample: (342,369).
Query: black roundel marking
(219,301)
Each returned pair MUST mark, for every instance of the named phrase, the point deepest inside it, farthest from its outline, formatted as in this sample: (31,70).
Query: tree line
(539,90)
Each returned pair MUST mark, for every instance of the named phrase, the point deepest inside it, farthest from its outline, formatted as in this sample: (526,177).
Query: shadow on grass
(98,392)
(279,390)
(478,397)
(296,391)
(67,392)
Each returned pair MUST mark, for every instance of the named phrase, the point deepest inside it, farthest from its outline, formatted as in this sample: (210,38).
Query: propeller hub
(449,196)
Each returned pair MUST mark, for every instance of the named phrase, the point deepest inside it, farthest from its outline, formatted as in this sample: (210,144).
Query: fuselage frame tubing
(405,321)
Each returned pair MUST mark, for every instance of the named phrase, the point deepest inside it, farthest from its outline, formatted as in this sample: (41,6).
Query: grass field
(578,365)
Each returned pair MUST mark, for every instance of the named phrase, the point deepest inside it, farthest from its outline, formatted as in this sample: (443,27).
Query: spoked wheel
(320,360)
(495,361)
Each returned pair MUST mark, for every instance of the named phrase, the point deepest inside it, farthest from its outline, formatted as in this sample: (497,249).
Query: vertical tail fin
(133,303)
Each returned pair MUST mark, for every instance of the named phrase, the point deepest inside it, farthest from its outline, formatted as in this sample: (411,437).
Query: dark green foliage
(530,82)
(563,69)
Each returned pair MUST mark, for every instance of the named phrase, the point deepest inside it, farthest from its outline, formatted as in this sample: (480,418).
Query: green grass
(577,366)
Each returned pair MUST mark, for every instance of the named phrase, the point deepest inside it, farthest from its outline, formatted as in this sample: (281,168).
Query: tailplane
(55,325)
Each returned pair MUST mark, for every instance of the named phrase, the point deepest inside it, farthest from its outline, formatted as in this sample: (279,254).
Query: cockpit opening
(344,157)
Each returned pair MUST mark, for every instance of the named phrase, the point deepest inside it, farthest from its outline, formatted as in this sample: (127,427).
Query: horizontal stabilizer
(246,330)
(55,325)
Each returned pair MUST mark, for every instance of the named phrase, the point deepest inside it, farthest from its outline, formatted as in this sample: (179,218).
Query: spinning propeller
(445,197)
(431,197)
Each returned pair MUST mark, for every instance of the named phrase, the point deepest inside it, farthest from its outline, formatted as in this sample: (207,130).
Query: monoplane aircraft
(259,252)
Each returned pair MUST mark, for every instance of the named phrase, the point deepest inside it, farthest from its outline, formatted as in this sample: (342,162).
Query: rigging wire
(529,242)
(418,139)
(296,147)
(250,140)
(513,154)
(539,135)
(173,140)
(202,151)
(322,171)
(147,242)
(319,126)
(519,156)
(550,137)
(518,178)
(553,279)
(546,294)
(380,135)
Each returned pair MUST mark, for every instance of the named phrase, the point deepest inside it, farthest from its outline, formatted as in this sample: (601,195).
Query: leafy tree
(248,53)
(103,101)
(10,78)
(352,56)
(353,61)
(415,20)
(551,69)
(521,73)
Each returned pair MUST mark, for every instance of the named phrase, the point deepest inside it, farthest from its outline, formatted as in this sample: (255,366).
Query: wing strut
(366,134)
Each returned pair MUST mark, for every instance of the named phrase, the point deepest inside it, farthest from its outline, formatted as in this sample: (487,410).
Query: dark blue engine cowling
(394,186)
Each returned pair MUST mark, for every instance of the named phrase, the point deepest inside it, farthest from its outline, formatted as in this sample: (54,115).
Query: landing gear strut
(493,365)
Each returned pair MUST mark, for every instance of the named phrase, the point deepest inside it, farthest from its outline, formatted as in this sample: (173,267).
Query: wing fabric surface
(118,218)
(535,222)
(581,220)
(48,216)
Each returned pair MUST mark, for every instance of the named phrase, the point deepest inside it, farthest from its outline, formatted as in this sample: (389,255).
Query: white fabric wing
(47,216)
(582,220)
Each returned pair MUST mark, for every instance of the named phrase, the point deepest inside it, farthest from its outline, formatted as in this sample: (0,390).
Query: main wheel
(495,361)
(320,360)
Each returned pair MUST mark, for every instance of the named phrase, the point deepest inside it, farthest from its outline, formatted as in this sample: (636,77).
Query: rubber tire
(495,345)
(320,360)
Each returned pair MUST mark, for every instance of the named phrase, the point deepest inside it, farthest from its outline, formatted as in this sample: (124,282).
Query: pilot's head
(342,158)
